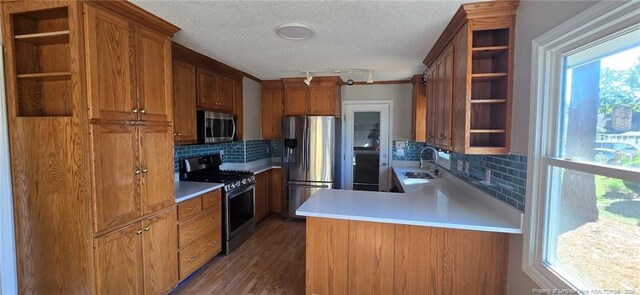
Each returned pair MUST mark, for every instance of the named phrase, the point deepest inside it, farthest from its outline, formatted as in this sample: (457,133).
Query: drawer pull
(147,228)
(214,243)
(192,258)
(138,232)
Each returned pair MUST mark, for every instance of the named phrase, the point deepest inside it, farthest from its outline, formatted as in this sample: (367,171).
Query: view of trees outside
(598,218)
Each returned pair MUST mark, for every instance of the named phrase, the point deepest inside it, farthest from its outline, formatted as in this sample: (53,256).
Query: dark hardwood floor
(272,261)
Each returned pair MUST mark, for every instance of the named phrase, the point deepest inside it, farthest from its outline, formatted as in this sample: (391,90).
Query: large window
(584,217)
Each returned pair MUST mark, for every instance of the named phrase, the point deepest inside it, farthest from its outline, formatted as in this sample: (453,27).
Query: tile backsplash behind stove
(234,152)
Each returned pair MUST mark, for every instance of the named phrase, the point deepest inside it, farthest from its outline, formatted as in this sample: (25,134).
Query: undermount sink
(421,175)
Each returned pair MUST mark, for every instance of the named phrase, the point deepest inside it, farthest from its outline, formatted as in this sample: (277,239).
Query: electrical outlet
(460,165)
(487,175)
(400,152)
(466,167)
(400,144)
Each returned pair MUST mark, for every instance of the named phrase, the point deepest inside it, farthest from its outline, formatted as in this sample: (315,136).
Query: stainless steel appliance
(215,127)
(237,196)
(310,158)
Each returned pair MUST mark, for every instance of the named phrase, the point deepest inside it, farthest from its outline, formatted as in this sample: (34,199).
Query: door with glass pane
(367,147)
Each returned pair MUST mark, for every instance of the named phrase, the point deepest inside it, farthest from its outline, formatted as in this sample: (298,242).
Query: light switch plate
(487,176)
(400,144)
(466,167)
(460,165)
(400,152)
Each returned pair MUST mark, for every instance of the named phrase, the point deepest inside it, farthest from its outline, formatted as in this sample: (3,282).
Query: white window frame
(603,21)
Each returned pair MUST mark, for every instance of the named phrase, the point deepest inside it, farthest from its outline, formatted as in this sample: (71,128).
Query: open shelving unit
(42,58)
(489,88)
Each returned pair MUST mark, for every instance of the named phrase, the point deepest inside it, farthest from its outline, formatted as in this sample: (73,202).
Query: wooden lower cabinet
(138,258)
(356,257)
(199,232)
(275,190)
(262,196)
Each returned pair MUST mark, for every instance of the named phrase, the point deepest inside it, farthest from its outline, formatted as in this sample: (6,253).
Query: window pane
(601,118)
(593,232)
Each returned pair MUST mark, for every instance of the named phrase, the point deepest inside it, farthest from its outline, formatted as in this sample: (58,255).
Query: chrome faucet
(434,169)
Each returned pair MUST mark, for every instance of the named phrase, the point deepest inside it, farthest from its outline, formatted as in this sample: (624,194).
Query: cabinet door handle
(175,134)
(179,134)
(134,111)
(137,172)
(214,243)
(212,219)
(138,232)
(147,228)
(142,111)
(145,170)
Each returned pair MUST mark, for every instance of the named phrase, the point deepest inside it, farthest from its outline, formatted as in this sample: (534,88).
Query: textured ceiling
(391,37)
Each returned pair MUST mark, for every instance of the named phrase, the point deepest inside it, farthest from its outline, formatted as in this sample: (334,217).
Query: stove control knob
(244,181)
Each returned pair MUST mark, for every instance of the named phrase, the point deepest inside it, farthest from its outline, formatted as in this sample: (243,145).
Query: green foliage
(615,185)
(620,87)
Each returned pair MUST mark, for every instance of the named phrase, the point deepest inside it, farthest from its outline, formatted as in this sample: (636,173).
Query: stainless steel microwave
(215,127)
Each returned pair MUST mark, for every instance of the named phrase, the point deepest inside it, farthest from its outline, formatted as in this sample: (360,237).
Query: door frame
(8,269)
(345,163)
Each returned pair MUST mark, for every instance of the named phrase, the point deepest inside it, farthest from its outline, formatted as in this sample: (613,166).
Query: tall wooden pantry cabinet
(90,117)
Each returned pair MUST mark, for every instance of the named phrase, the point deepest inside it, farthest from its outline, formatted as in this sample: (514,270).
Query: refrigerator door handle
(308,149)
(310,185)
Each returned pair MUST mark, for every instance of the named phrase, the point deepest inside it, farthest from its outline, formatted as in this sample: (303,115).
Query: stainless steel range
(237,196)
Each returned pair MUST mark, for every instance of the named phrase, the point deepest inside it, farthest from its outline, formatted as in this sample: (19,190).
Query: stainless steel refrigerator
(310,158)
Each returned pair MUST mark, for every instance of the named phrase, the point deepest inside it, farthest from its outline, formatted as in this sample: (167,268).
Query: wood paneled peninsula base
(361,257)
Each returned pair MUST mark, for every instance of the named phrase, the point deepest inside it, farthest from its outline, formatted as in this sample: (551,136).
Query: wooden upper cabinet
(207,93)
(109,65)
(224,93)
(476,89)
(322,97)
(419,107)
(184,102)
(116,175)
(118,261)
(160,248)
(154,75)
(128,68)
(272,107)
(156,166)
(296,101)
(322,100)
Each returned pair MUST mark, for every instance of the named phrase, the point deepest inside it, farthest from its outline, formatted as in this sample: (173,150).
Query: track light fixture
(308,79)
(370,78)
(350,81)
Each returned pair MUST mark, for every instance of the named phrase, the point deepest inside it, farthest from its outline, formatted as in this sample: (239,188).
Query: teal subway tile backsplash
(234,152)
(508,172)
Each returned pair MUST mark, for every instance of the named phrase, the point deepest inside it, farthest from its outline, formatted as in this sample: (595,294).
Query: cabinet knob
(138,232)
(137,172)
(142,111)
(134,111)
(145,170)
(147,228)
(179,134)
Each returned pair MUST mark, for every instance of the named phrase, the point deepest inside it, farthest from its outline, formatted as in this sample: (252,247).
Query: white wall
(534,19)
(252,118)
(399,93)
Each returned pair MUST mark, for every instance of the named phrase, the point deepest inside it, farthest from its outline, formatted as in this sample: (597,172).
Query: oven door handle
(232,194)
(233,133)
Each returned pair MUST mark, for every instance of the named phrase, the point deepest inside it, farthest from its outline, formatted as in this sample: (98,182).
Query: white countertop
(264,167)
(189,189)
(256,167)
(443,202)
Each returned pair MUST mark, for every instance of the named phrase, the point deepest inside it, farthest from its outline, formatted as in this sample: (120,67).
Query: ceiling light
(308,79)
(294,31)
(370,78)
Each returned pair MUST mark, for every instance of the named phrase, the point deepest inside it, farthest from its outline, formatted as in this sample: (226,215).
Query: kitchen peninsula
(439,237)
